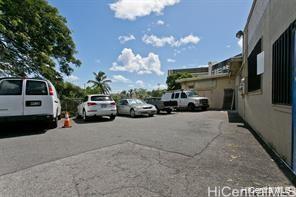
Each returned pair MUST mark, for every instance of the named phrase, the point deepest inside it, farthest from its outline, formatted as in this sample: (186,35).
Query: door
(294,101)
(123,107)
(228,100)
(11,97)
(37,100)
(183,100)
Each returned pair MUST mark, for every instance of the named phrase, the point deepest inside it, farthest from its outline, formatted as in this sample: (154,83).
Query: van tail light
(91,104)
(51,92)
(113,103)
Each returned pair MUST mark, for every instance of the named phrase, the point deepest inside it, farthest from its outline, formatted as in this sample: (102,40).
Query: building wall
(212,88)
(272,122)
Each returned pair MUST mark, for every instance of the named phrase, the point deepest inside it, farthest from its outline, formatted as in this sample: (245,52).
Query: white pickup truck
(187,99)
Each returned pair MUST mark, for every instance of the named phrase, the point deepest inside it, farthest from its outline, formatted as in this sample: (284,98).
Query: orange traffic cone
(67,122)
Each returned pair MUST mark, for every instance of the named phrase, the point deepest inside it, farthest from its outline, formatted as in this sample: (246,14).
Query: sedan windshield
(192,94)
(135,101)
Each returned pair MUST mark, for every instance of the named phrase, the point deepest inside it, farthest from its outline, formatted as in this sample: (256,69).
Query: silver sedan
(135,107)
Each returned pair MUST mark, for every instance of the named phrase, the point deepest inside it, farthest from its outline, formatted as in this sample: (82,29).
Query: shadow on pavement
(18,129)
(92,120)
(233,117)
(137,117)
(165,113)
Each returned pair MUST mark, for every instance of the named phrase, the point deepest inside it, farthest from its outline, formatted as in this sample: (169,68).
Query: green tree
(171,80)
(33,39)
(141,93)
(69,90)
(157,93)
(101,83)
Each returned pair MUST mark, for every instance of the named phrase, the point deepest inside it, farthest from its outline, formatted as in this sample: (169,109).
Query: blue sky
(154,36)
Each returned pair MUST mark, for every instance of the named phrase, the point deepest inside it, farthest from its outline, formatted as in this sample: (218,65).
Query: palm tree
(101,83)
(131,91)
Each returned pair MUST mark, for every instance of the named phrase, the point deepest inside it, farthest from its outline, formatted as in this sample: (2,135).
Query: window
(177,95)
(101,98)
(173,96)
(183,95)
(36,88)
(123,102)
(254,80)
(11,87)
(135,101)
(282,68)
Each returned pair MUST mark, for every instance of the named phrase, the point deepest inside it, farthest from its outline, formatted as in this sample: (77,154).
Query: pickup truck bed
(167,106)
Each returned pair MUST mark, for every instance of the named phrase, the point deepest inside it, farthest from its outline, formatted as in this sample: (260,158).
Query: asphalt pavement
(181,154)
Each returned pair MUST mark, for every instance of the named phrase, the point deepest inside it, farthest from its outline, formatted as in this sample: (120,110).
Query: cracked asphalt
(181,154)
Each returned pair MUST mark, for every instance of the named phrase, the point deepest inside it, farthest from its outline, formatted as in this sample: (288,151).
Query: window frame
(282,67)
(254,82)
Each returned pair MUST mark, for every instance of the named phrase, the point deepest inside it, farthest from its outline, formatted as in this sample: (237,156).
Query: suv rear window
(101,98)
(11,87)
(36,88)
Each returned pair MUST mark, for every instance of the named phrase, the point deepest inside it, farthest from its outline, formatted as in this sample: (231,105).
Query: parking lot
(181,154)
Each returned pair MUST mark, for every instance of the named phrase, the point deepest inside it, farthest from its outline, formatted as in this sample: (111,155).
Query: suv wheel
(133,113)
(84,116)
(112,117)
(191,107)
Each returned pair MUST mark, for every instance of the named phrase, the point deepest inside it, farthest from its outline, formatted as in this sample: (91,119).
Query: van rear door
(11,97)
(37,100)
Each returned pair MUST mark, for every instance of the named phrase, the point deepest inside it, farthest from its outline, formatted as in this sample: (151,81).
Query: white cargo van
(29,99)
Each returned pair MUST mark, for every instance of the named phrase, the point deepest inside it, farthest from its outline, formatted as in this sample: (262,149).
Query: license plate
(33,103)
(103,106)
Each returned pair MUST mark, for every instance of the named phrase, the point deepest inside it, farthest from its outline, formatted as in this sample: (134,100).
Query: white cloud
(124,39)
(98,61)
(131,9)
(228,46)
(128,61)
(169,40)
(120,78)
(140,83)
(171,60)
(72,78)
(240,42)
(160,22)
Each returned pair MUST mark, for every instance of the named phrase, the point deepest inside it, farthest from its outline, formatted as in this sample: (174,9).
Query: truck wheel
(158,110)
(191,107)
(54,122)
(204,108)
